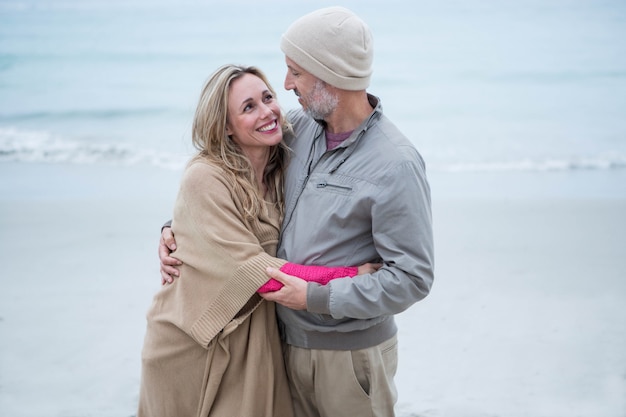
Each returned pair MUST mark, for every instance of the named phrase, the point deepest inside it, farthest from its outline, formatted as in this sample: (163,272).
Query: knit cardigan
(224,259)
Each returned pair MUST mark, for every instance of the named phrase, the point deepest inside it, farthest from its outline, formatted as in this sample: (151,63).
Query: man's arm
(401,228)
(319,274)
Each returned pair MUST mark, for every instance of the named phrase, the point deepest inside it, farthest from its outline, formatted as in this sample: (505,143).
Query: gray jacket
(366,200)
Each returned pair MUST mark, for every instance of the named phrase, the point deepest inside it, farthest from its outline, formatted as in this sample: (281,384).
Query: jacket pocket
(334,187)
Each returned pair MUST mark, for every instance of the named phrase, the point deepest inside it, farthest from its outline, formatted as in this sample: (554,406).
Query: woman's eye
(269,97)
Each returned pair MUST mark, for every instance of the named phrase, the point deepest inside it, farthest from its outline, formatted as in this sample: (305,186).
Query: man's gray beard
(321,102)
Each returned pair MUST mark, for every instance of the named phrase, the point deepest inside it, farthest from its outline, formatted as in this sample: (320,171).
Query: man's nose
(289,85)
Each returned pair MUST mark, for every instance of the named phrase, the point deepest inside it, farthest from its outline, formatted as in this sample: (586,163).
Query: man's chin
(314,115)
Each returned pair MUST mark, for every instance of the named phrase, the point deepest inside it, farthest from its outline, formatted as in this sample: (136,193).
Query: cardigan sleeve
(224,261)
(310,273)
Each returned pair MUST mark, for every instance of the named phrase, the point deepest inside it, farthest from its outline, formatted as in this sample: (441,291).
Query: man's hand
(167,245)
(368,268)
(292,295)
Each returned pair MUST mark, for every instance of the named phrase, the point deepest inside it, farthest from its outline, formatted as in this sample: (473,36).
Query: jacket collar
(366,124)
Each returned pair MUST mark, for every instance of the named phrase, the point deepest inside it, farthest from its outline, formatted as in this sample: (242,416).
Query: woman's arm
(319,274)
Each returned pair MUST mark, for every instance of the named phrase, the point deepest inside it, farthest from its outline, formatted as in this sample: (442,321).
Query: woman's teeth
(268,127)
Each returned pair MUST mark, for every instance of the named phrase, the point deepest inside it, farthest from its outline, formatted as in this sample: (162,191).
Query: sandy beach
(526,317)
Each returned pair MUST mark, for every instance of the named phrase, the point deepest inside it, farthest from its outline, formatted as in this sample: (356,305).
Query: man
(356,192)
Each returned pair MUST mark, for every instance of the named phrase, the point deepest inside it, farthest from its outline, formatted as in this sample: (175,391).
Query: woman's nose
(267,111)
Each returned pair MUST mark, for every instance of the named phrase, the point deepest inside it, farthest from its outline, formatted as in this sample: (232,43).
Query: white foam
(43,147)
(603,162)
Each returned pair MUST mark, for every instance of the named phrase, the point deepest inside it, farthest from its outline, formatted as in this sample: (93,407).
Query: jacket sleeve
(402,234)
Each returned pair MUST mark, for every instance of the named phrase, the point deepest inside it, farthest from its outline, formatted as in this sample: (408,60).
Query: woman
(212,345)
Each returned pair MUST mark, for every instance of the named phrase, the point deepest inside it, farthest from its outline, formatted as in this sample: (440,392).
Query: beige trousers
(343,383)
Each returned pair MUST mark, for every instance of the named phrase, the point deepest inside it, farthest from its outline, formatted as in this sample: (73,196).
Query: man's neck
(352,109)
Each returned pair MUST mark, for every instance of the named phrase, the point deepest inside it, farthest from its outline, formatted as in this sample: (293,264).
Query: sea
(477,85)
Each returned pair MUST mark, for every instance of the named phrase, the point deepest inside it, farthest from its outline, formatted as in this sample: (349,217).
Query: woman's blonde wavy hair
(210,139)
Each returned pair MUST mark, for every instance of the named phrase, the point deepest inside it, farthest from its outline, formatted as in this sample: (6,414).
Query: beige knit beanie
(334,45)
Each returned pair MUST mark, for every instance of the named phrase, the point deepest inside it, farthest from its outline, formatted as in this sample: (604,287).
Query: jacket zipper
(324,184)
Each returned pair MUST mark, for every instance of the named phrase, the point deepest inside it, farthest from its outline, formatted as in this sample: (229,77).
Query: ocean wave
(43,147)
(101,114)
(604,163)
(18,145)
(544,77)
